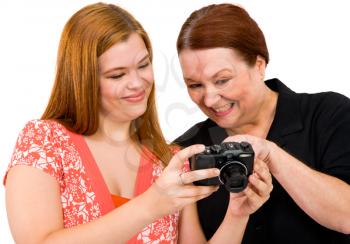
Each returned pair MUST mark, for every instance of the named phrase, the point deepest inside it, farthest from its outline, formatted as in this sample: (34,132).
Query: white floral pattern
(46,145)
(163,230)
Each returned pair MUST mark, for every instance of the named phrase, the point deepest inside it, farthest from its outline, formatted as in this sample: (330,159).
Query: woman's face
(126,78)
(224,86)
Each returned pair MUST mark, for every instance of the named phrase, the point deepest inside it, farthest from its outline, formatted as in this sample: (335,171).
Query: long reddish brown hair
(75,97)
(226,26)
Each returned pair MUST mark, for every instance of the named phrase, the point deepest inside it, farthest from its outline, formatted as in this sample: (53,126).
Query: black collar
(288,118)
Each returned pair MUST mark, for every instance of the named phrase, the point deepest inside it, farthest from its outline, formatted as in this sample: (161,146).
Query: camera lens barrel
(233,176)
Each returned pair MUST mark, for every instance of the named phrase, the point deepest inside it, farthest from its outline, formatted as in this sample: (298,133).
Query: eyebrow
(222,70)
(212,77)
(147,56)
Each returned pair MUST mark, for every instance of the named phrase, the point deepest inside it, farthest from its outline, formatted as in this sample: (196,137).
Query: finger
(262,188)
(236,195)
(195,191)
(180,157)
(255,201)
(197,198)
(189,200)
(201,194)
(238,138)
(260,146)
(200,174)
(262,171)
(262,149)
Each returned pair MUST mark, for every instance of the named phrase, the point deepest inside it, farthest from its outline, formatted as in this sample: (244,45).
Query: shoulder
(49,128)
(44,138)
(325,104)
(39,144)
(44,125)
(206,132)
(308,101)
(326,98)
(191,135)
(315,108)
(326,120)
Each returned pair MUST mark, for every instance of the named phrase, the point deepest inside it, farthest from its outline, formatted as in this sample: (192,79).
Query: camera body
(234,160)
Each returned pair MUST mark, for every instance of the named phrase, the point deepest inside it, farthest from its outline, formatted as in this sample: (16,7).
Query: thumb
(180,157)
(238,138)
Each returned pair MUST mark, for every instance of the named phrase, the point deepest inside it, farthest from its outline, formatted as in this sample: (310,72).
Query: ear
(260,65)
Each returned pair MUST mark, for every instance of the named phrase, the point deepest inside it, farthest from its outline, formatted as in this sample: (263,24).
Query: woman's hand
(174,189)
(255,194)
(264,150)
(260,181)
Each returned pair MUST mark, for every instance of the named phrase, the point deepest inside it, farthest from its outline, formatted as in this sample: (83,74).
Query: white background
(308,43)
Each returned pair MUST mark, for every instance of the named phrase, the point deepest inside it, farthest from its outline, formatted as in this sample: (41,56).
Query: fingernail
(201,147)
(254,176)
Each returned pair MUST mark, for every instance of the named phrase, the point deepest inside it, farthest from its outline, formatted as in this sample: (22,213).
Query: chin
(223,122)
(137,112)
(126,114)
(224,125)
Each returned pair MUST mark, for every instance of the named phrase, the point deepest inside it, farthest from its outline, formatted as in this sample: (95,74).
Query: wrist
(150,201)
(273,159)
(153,201)
(235,220)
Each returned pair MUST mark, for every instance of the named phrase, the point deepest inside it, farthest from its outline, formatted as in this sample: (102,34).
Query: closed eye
(194,86)
(144,65)
(116,77)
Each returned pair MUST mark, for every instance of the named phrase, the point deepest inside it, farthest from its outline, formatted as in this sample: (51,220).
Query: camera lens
(234,176)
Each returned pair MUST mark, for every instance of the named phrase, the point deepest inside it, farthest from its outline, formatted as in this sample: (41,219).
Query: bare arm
(189,228)
(230,231)
(35,212)
(324,198)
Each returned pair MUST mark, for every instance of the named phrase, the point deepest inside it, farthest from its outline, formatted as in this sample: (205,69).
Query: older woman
(302,138)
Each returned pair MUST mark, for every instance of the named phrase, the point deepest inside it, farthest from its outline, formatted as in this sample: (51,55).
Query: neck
(112,131)
(262,122)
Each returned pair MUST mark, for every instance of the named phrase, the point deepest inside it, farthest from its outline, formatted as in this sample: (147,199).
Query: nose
(135,81)
(211,97)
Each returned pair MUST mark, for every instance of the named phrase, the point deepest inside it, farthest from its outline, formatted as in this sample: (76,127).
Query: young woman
(96,168)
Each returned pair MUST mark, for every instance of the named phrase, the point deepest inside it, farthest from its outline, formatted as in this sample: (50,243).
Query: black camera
(235,161)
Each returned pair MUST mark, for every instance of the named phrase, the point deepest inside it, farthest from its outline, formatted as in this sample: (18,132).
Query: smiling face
(224,86)
(126,79)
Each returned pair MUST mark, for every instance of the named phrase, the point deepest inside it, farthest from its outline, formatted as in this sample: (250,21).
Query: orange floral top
(48,146)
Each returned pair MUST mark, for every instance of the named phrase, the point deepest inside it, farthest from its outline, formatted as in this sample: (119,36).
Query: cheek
(148,77)
(109,91)
(249,99)
(237,90)
(196,96)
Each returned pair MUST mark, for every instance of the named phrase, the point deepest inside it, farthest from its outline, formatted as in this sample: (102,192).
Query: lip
(136,97)
(224,113)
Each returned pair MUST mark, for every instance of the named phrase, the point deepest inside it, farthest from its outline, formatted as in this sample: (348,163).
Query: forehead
(207,62)
(123,54)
